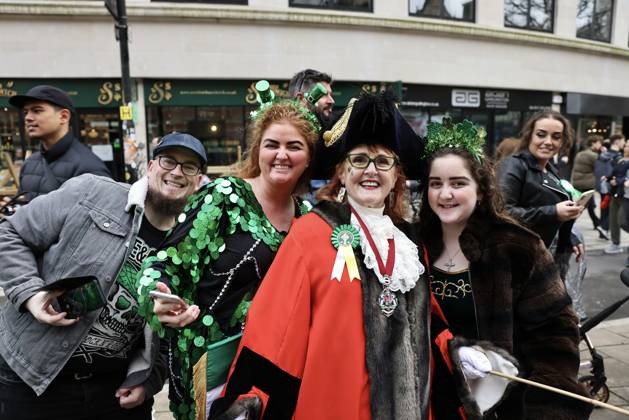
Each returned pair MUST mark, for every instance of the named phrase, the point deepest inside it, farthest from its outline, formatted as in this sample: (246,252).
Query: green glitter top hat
(266,98)
(463,135)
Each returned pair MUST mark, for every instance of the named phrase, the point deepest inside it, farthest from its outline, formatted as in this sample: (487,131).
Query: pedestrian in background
(620,196)
(583,177)
(602,172)
(506,148)
(49,116)
(303,82)
(533,191)
(616,149)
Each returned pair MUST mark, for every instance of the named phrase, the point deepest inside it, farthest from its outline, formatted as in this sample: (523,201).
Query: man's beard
(165,205)
(324,120)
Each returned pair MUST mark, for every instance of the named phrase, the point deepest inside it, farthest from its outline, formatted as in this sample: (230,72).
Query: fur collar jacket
(522,307)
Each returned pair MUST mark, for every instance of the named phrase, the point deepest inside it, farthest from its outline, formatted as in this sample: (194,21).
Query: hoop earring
(341,195)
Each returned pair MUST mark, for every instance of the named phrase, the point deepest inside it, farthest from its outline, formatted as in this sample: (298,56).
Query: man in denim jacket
(105,364)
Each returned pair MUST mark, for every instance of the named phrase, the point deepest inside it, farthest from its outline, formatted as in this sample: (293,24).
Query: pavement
(611,339)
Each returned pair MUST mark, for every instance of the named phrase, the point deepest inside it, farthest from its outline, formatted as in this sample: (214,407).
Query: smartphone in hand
(81,295)
(168,297)
(585,198)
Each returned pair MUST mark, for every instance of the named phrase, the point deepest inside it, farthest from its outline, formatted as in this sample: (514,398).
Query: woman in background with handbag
(218,253)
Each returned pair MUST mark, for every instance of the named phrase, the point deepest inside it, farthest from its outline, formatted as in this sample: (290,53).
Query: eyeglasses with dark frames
(168,163)
(362,161)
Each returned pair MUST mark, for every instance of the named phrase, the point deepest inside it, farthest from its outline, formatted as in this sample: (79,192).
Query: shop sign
(125,113)
(7,89)
(236,92)
(466,98)
(94,93)
(498,99)
(195,92)
(110,92)
(444,97)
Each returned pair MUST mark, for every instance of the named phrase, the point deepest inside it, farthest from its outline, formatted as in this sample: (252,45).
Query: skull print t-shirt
(118,330)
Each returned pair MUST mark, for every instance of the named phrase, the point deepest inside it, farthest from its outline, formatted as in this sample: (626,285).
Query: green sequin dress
(222,225)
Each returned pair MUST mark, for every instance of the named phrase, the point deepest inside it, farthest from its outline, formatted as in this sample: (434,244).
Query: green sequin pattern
(230,203)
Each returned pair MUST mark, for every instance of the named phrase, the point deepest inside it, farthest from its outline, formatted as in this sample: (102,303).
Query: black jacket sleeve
(511,179)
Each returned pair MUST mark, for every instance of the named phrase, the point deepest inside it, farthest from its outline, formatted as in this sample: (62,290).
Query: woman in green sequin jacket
(216,256)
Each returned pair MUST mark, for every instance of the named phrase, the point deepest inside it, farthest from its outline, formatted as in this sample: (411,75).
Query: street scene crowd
(256,296)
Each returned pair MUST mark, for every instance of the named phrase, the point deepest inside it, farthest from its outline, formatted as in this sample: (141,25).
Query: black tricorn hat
(370,119)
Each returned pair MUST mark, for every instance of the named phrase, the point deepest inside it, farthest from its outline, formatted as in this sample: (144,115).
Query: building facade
(194,62)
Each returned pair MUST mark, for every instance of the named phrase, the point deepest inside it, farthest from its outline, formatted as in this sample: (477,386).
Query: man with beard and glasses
(105,364)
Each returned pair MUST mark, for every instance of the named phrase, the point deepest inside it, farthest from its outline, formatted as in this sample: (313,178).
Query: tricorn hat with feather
(370,119)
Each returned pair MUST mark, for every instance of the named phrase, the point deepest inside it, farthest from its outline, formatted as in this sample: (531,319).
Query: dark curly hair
(490,207)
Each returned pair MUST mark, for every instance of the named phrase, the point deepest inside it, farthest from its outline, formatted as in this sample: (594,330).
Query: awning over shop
(445,97)
(589,104)
(85,93)
(169,92)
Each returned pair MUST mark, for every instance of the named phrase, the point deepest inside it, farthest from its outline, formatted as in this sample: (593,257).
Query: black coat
(66,159)
(530,197)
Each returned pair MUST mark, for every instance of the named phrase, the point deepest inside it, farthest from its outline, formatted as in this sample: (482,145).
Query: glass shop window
(221,129)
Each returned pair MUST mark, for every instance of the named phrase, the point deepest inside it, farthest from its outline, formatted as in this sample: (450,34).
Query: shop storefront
(217,112)
(598,114)
(502,112)
(96,102)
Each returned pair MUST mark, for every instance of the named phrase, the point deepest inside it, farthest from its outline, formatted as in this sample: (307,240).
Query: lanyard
(387,270)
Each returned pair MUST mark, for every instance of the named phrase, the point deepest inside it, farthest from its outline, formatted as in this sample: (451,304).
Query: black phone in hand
(81,295)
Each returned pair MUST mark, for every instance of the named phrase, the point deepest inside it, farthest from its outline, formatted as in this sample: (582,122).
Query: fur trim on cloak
(472,410)
(397,348)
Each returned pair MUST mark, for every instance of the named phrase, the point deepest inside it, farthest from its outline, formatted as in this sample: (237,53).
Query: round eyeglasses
(168,163)
(362,161)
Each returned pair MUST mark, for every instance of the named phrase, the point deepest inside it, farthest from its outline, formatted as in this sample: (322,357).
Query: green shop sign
(88,93)
(170,92)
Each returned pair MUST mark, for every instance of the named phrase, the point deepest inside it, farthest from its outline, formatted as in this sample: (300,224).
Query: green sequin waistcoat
(227,202)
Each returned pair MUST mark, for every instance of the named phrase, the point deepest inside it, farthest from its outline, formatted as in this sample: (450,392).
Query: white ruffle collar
(407,267)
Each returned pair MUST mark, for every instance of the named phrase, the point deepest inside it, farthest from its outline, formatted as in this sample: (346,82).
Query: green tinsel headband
(464,135)
(266,98)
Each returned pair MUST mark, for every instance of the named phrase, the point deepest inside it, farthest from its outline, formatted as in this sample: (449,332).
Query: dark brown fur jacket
(523,308)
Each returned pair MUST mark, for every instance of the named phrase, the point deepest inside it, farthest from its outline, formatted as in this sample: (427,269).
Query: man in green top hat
(303,82)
